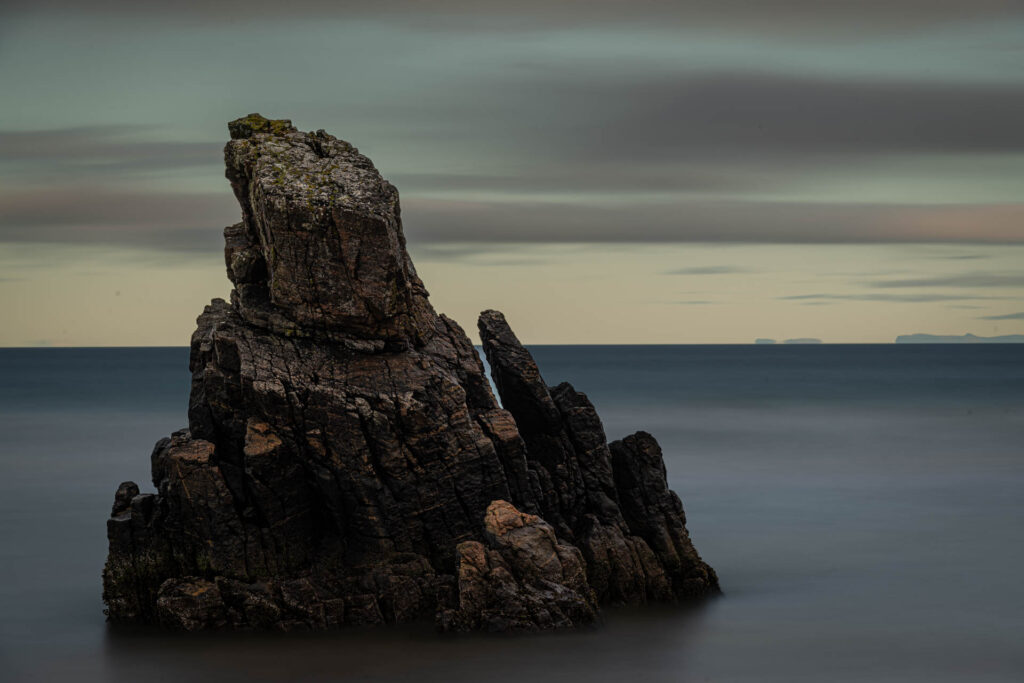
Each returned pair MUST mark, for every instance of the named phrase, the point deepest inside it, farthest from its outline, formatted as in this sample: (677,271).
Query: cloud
(756,16)
(968,280)
(451,252)
(706,270)
(577,153)
(477,254)
(568,145)
(566,176)
(683,219)
(895,298)
(95,150)
(1008,316)
(191,221)
(648,115)
(739,115)
(646,127)
(95,215)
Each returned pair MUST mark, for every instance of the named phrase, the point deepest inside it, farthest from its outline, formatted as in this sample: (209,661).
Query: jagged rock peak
(320,250)
(346,462)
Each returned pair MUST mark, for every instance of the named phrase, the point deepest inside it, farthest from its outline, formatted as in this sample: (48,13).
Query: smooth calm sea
(863,505)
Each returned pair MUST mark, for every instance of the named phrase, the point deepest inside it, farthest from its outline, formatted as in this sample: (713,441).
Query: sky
(603,172)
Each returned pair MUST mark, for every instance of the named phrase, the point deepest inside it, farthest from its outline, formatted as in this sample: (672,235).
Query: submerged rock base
(346,462)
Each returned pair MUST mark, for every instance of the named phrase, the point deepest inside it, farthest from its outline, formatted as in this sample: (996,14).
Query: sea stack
(346,462)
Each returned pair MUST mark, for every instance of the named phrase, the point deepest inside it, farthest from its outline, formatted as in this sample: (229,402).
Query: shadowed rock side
(611,500)
(346,462)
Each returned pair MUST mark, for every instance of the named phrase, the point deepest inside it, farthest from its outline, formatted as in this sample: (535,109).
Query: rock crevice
(345,461)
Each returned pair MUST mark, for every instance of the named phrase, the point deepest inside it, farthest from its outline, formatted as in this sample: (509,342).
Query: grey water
(863,506)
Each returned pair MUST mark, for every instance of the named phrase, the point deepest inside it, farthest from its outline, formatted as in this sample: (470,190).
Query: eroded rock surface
(346,462)
(521,578)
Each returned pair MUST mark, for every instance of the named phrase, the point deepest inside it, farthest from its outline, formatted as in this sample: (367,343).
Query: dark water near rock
(863,505)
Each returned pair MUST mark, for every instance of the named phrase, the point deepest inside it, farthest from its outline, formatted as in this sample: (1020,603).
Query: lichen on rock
(346,462)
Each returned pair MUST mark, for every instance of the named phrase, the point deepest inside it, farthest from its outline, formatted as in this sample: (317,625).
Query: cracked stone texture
(345,461)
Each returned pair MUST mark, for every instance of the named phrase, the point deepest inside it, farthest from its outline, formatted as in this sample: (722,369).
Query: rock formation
(346,462)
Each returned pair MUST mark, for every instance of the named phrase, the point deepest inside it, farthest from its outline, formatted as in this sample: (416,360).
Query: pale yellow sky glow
(558,293)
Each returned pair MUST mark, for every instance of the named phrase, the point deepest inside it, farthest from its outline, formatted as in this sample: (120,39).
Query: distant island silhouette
(958,339)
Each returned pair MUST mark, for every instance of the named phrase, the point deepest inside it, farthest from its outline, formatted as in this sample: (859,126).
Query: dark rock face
(346,462)
(611,500)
